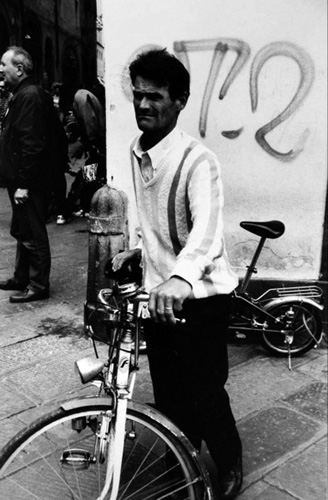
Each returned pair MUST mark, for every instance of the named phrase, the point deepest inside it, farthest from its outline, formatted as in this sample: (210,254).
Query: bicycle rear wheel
(301,319)
(158,461)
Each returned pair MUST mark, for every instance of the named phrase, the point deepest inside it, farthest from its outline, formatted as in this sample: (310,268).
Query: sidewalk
(281,415)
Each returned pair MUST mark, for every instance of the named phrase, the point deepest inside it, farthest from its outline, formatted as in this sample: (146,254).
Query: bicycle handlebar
(129,290)
(135,294)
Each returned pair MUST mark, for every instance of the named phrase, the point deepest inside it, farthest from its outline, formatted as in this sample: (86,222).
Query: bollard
(108,235)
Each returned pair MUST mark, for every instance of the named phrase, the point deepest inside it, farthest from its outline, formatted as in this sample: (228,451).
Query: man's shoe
(28,295)
(231,483)
(11,284)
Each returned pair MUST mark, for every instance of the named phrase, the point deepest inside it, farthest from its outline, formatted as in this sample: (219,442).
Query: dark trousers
(189,368)
(81,193)
(28,227)
(59,193)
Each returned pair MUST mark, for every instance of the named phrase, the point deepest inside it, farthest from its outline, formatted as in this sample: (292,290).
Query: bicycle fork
(110,434)
(116,435)
(115,452)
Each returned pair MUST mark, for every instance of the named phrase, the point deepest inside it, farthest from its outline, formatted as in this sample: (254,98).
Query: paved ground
(281,415)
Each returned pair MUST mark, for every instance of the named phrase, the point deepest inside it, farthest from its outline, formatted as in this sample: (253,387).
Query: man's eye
(150,97)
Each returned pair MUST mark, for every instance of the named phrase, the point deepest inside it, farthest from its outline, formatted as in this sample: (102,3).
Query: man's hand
(122,257)
(20,196)
(167,298)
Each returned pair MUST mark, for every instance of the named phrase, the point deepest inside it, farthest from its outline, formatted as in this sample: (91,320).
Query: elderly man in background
(26,165)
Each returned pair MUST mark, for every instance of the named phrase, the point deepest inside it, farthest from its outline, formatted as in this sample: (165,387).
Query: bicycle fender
(292,300)
(87,401)
(154,414)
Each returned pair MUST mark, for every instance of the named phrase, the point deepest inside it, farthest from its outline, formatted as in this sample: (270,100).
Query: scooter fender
(291,300)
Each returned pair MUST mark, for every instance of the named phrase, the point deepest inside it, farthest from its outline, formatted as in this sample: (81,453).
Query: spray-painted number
(220,47)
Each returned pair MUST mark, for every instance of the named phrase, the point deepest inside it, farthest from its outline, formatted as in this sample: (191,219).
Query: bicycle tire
(30,466)
(306,325)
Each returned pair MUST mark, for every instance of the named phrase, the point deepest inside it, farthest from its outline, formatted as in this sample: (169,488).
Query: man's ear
(182,101)
(20,69)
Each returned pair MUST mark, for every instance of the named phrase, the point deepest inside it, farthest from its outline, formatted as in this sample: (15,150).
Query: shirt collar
(26,81)
(157,152)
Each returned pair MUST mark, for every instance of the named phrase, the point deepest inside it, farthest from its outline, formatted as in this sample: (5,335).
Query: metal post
(108,235)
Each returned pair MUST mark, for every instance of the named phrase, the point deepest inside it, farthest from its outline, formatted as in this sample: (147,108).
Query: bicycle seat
(271,229)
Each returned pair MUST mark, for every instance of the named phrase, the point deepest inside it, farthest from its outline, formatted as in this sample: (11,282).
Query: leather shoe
(231,482)
(12,284)
(28,295)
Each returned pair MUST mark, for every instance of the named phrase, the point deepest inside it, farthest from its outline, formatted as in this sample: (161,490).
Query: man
(179,197)
(25,169)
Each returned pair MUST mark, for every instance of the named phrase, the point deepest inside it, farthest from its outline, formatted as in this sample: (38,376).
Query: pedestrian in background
(89,121)
(179,196)
(26,165)
(62,166)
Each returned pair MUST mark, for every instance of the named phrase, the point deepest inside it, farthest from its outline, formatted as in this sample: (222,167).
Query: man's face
(156,113)
(8,70)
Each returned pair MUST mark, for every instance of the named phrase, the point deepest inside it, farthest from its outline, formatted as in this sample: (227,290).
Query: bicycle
(289,318)
(105,446)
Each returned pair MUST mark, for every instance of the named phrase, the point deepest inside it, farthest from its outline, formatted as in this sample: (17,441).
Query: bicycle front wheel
(158,461)
(304,323)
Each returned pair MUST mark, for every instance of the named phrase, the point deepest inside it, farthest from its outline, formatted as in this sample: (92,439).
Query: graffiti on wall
(306,79)
(220,48)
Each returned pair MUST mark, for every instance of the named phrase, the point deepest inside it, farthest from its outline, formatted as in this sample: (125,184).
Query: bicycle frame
(253,314)
(118,380)
(260,306)
(124,383)
(312,292)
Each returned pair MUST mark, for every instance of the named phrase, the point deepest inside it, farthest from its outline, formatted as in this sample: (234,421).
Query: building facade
(60,35)
(258,100)
(100,43)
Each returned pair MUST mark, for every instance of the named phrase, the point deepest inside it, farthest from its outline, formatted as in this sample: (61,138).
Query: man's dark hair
(162,68)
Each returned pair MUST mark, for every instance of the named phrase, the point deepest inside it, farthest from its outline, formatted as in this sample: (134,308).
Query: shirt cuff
(187,270)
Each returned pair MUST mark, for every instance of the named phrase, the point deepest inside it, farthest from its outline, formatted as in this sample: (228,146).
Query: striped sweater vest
(180,216)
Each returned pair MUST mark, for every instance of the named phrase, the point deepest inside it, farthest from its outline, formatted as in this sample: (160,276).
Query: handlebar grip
(141,299)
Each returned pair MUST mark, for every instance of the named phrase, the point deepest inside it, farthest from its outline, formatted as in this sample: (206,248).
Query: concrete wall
(258,99)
